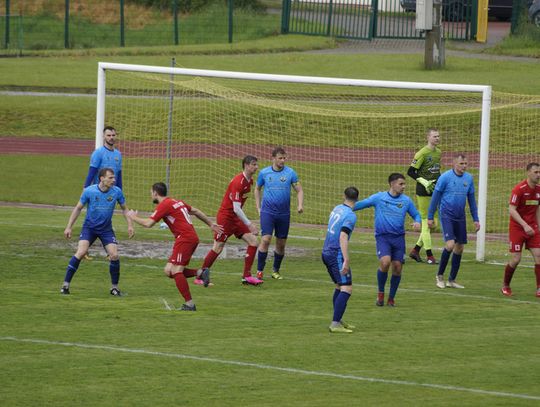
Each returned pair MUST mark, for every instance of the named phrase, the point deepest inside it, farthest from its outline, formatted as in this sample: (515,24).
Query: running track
(40,145)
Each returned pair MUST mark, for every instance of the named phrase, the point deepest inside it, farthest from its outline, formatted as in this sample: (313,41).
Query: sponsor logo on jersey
(531,202)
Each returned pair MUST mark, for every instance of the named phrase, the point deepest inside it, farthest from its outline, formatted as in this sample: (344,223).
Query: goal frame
(485,90)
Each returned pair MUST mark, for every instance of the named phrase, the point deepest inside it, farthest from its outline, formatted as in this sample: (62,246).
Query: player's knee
(113,256)
(346,288)
(218,247)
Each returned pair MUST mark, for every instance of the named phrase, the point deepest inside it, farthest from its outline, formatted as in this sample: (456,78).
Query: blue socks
(456,261)
(114,270)
(278,258)
(394,284)
(445,256)
(71,269)
(381,280)
(261,260)
(340,304)
(336,293)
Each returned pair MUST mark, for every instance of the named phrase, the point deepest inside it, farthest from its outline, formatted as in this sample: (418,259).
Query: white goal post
(485,91)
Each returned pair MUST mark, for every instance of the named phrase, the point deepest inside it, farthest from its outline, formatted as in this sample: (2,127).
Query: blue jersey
(277,189)
(452,192)
(341,217)
(390,212)
(100,206)
(105,158)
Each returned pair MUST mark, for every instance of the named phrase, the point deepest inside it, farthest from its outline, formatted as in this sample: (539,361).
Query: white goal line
(290,370)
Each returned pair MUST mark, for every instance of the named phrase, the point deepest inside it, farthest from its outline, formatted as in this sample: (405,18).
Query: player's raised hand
(67,233)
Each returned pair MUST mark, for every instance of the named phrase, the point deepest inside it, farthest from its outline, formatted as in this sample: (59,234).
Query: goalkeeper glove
(428,185)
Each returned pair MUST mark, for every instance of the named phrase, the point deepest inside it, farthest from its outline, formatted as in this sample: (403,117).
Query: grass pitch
(264,345)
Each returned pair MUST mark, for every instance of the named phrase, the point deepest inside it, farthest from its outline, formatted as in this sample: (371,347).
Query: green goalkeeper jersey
(428,165)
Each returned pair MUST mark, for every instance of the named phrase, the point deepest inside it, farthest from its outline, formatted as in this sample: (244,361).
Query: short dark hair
(278,150)
(530,165)
(351,193)
(111,128)
(160,188)
(460,155)
(248,159)
(103,172)
(431,130)
(395,176)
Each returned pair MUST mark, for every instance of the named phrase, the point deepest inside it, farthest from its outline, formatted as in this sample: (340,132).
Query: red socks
(182,285)
(248,262)
(210,259)
(508,273)
(190,273)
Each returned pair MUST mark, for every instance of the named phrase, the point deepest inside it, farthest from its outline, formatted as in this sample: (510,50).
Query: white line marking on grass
(166,304)
(271,367)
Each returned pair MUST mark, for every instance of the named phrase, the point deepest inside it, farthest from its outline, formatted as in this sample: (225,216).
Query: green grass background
(474,338)
(437,337)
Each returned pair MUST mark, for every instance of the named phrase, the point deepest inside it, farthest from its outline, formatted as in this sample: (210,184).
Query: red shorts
(182,252)
(518,238)
(231,226)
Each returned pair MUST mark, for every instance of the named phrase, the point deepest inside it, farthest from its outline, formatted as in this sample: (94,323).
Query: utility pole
(434,56)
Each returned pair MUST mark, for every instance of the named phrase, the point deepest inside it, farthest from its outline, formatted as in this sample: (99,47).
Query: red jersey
(176,215)
(526,201)
(237,191)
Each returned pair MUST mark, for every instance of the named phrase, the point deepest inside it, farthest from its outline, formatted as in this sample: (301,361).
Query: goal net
(191,128)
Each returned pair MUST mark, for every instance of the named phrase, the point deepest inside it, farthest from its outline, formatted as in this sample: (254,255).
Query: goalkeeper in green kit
(425,169)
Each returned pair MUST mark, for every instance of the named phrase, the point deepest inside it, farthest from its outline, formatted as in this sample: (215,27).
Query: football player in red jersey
(235,222)
(523,230)
(176,214)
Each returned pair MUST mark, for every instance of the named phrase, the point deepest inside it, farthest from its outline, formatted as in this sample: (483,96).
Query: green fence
(367,19)
(57,24)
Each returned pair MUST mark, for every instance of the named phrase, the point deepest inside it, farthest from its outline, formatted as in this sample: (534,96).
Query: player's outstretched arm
(72,219)
(202,216)
(144,222)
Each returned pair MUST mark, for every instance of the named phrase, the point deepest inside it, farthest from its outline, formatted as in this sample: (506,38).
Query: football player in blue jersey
(391,207)
(453,190)
(100,200)
(276,182)
(106,156)
(335,256)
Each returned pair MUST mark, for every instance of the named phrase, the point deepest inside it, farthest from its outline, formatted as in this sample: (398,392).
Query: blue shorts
(391,245)
(333,262)
(454,230)
(279,223)
(107,237)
